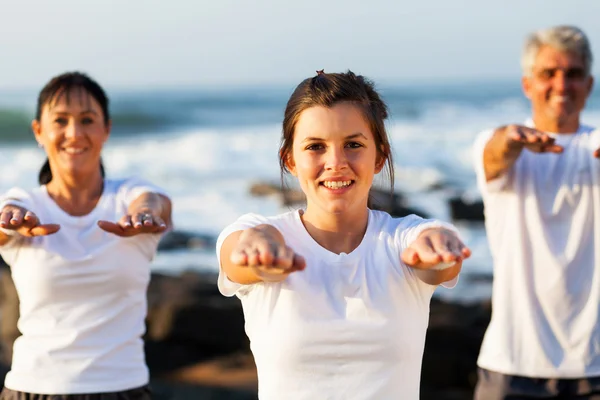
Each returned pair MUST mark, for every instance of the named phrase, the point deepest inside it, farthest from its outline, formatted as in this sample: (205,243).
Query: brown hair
(327,90)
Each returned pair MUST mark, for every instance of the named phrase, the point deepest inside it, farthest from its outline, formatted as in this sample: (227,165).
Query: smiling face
(558,88)
(335,157)
(72,131)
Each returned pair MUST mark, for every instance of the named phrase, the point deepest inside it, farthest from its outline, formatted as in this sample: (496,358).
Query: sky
(200,43)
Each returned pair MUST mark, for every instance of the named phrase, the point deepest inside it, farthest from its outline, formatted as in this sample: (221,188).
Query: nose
(336,159)
(73,129)
(560,81)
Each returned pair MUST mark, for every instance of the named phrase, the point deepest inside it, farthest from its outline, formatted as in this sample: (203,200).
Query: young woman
(79,247)
(336,296)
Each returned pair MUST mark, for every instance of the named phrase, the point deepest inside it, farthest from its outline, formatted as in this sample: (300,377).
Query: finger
(285,258)
(442,244)
(31,219)
(111,227)
(5,218)
(553,148)
(158,221)
(137,220)
(44,230)
(17,218)
(426,252)
(239,257)
(410,257)
(299,263)
(125,222)
(147,220)
(253,257)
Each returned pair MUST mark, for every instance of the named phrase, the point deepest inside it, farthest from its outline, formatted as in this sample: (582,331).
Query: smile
(337,184)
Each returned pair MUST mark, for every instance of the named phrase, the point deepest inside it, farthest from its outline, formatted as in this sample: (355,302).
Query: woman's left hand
(135,223)
(434,247)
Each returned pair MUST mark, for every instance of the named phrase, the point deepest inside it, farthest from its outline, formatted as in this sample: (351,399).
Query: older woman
(79,247)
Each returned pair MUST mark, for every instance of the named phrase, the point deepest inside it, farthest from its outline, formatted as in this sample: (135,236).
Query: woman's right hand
(263,249)
(24,222)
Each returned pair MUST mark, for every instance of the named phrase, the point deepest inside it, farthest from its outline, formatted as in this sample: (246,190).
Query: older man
(541,189)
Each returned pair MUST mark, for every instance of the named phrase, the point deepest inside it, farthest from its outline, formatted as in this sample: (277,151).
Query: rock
(466,210)
(175,240)
(452,345)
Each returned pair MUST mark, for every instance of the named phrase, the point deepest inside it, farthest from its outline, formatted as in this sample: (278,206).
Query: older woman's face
(72,131)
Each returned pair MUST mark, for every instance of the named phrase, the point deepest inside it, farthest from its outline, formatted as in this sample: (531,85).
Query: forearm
(437,277)
(500,154)
(153,203)
(4,238)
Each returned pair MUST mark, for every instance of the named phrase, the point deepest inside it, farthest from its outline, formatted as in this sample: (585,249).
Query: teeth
(336,184)
(73,151)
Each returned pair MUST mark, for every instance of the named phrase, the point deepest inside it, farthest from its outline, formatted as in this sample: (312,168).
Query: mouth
(337,185)
(73,151)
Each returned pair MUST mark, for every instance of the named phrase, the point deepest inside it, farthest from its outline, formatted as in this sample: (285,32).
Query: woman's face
(335,158)
(72,131)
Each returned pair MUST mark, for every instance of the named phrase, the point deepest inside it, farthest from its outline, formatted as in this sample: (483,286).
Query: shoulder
(283,222)
(385,223)
(20,196)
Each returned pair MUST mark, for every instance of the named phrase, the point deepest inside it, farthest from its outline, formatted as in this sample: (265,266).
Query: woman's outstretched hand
(263,249)
(135,223)
(434,249)
(24,222)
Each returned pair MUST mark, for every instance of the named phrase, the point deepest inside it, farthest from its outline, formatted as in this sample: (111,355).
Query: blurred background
(197,93)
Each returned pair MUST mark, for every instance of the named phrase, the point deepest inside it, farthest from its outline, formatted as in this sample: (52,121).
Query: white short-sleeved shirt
(350,326)
(82,295)
(543,227)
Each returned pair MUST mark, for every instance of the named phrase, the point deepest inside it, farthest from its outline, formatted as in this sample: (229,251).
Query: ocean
(206,147)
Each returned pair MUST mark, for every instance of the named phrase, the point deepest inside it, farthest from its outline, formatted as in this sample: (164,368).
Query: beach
(215,152)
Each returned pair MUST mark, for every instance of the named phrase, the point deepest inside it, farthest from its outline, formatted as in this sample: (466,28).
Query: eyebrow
(353,136)
(90,111)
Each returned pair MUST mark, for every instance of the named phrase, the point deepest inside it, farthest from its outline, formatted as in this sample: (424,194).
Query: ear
(37,130)
(379,164)
(108,129)
(290,164)
(590,84)
(526,86)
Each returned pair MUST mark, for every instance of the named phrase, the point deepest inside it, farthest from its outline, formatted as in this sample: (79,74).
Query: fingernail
(137,225)
(163,225)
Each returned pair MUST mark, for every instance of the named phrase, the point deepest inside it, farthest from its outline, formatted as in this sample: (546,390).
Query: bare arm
(506,144)
(258,254)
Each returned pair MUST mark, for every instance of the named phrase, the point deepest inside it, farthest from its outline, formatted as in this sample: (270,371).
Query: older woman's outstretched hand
(435,249)
(143,221)
(24,222)
(263,249)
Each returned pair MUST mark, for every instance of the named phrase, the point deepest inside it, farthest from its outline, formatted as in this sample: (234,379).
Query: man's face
(558,87)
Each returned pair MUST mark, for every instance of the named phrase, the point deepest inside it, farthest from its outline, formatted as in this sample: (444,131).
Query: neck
(76,195)
(338,233)
(567,125)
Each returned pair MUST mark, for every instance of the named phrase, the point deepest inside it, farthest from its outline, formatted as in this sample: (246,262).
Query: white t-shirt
(543,227)
(82,295)
(350,326)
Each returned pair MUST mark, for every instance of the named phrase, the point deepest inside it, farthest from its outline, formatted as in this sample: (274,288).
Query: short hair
(564,38)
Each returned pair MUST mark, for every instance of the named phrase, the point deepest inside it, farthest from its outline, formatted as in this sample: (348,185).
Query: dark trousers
(496,386)
(142,393)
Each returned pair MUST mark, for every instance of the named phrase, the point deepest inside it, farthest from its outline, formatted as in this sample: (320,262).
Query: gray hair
(564,38)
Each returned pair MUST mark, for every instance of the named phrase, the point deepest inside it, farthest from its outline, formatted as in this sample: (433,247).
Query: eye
(315,146)
(87,120)
(546,74)
(354,145)
(575,73)
(60,121)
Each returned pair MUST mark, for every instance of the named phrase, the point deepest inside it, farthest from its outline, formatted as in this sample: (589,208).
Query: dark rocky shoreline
(196,346)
